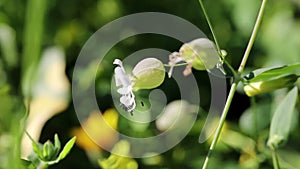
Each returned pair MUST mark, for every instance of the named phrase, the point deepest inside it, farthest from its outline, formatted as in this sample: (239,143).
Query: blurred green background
(69,24)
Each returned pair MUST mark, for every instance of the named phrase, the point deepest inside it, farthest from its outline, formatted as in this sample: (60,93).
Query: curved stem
(215,38)
(210,27)
(234,85)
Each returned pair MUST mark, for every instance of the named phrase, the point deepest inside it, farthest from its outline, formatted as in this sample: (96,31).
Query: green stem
(253,36)
(215,38)
(234,85)
(275,159)
(220,125)
(33,33)
(210,27)
(233,72)
(42,165)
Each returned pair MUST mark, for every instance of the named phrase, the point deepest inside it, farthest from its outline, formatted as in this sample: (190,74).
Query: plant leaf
(37,147)
(67,148)
(278,82)
(27,164)
(255,119)
(282,119)
(267,73)
(57,144)
(48,151)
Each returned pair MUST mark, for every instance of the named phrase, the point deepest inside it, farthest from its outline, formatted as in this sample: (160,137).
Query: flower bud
(48,151)
(259,87)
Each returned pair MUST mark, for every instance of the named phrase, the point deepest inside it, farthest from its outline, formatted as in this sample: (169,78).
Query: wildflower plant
(203,54)
(130,80)
(48,153)
(147,74)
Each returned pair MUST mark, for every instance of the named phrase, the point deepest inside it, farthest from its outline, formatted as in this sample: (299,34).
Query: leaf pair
(49,153)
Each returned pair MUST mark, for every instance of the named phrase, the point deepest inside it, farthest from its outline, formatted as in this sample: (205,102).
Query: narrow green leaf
(37,147)
(57,142)
(67,148)
(34,26)
(270,73)
(282,119)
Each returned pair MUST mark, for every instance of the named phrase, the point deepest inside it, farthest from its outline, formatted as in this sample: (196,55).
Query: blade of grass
(35,13)
(210,27)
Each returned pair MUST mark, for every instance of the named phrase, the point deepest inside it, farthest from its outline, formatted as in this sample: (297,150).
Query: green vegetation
(256,47)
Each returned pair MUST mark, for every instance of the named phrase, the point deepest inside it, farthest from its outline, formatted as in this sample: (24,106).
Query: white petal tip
(117,62)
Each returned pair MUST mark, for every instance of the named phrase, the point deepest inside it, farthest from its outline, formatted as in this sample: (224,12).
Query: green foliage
(266,80)
(8,45)
(48,154)
(277,44)
(282,120)
(271,73)
(255,119)
(34,27)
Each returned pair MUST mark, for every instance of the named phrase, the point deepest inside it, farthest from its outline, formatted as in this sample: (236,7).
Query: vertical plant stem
(210,27)
(275,159)
(234,85)
(215,38)
(253,36)
(35,12)
(220,125)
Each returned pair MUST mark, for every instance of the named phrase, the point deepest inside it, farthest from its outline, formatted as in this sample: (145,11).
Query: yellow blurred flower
(97,131)
(50,94)
(119,162)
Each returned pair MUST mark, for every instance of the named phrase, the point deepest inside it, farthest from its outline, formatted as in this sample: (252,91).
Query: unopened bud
(260,87)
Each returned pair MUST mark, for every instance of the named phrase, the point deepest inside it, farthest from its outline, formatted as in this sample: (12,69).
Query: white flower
(122,79)
(199,54)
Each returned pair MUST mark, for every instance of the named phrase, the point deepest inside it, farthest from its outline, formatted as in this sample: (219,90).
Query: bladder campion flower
(122,79)
(149,73)
(200,54)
